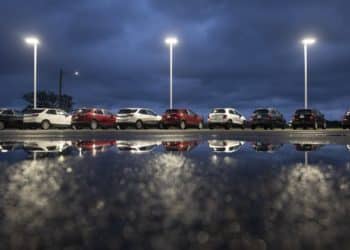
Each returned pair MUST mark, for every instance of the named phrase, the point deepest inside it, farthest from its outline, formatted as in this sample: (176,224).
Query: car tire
(265,127)
(200,125)
(253,127)
(139,124)
(93,125)
(45,125)
(2,125)
(294,127)
(210,126)
(182,125)
(228,125)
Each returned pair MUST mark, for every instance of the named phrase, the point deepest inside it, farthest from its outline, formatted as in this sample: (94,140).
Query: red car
(93,118)
(181,146)
(182,118)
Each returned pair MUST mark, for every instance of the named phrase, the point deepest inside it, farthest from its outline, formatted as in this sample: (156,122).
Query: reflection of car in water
(307,147)
(8,146)
(46,148)
(137,146)
(94,145)
(266,147)
(180,146)
(225,146)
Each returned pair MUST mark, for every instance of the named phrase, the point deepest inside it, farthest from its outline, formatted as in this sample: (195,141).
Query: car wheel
(294,127)
(210,126)
(265,127)
(200,125)
(183,125)
(228,124)
(2,125)
(45,125)
(253,127)
(139,124)
(315,125)
(94,125)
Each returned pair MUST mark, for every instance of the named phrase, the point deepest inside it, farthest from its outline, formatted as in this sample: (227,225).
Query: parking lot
(338,136)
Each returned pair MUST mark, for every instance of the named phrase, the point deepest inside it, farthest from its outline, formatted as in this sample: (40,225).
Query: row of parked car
(93,118)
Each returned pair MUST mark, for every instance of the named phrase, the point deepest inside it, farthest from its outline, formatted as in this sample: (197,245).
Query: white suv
(227,117)
(46,118)
(138,117)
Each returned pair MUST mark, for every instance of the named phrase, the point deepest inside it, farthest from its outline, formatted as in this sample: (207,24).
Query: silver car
(137,117)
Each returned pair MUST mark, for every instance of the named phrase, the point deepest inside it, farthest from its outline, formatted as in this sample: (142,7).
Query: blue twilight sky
(243,54)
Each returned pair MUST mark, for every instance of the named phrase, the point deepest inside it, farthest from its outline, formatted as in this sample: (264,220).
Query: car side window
(51,112)
(150,112)
(231,112)
(7,112)
(99,111)
(142,111)
(190,112)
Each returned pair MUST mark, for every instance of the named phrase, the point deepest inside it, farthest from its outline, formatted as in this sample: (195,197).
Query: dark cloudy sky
(244,54)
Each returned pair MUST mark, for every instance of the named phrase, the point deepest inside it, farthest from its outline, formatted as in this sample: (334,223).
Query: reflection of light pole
(306,42)
(76,73)
(171,41)
(35,42)
(306,159)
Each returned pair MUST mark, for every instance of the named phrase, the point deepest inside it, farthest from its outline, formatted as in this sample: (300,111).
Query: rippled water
(175,194)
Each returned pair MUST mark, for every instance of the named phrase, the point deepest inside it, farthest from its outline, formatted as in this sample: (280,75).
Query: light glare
(308,41)
(171,40)
(32,40)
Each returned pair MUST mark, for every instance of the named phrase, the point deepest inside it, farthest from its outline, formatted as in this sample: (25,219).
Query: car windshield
(172,111)
(127,111)
(303,111)
(261,111)
(220,111)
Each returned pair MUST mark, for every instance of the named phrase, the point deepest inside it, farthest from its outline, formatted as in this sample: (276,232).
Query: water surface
(174,194)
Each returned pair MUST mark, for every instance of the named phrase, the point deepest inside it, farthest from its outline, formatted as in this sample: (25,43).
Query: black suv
(304,118)
(10,118)
(267,118)
(346,120)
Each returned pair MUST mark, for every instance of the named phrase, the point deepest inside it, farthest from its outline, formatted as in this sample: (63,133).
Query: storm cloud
(244,54)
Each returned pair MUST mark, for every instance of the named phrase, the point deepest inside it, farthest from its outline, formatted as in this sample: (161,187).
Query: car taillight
(181,114)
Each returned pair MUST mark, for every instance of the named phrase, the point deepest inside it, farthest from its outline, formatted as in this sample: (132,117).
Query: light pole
(171,41)
(306,42)
(60,82)
(34,42)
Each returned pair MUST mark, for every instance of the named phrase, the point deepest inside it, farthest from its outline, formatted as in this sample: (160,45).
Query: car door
(152,117)
(100,117)
(110,119)
(194,118)
(63,118)
(51,116)
(143,116)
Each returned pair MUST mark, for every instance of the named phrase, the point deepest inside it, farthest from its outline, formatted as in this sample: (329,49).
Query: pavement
(328,136)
